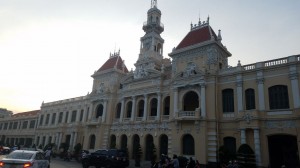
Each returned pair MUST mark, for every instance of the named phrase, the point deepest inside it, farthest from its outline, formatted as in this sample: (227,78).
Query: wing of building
(191,104)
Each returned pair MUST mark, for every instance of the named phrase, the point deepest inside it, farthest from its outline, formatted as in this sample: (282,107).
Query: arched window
(188,145)
(250,99)
(228,100)
(135,144)
(278,97)
(167,106)
(118,114)
(99,111)
(153,106)
(141,108)
(92,141)
(128,109)
(191,101)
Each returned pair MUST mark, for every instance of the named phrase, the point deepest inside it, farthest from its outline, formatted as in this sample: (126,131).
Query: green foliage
(246,156)
(225,155)
(137,155)
(153,154)
(77,148)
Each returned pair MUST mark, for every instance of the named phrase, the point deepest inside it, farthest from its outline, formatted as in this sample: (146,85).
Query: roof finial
(207,20)
(191,25)
(153,3)
(219,36)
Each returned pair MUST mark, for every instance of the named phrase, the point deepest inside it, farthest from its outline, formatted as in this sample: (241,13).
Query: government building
(190,103)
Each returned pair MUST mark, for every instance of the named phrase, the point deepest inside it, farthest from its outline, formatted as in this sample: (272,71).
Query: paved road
(59,163)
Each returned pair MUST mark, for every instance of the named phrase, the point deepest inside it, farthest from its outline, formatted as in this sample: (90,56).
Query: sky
(50,48)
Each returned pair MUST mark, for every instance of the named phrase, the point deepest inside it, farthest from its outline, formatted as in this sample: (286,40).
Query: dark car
(106,158)
(97,159)
(117,158)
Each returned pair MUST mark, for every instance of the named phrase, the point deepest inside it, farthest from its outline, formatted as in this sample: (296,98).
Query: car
(97,159)
(106,158)
(25,159)
(117,158)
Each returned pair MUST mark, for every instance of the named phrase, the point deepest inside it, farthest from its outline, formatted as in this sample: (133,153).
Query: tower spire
(153,3)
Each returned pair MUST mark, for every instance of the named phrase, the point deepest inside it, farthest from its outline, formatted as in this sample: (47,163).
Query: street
(59,163)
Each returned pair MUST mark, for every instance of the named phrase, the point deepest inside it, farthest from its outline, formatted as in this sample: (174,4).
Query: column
(52,138)
(104,111)
(64,116)
(257,147)
(175,102)
(133,108)
(74,140)
(158,106)
(84,114)
(57,117)
(295,85)
(122,110)
(145,107)
(243,136)
(69,116)
(47,140)
(90,112)
(203,100)
(71,141)
(44,119)
(261,95)
(50,119)
(239,89)
(59,138)
(77,115)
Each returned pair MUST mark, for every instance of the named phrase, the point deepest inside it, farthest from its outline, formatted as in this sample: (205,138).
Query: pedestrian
(175,161)
(48,154)
(197,164)
(191,163)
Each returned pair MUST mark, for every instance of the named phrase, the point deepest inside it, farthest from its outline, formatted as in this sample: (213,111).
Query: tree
(137,155)
(246,156)
(77,149)
(153,154)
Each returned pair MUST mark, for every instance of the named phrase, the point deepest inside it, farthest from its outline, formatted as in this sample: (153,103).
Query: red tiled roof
(112,62)
(197,36)
(29,113)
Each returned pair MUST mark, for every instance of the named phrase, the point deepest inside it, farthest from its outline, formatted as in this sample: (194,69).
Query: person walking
(175,161)
(191,163)
(48,154)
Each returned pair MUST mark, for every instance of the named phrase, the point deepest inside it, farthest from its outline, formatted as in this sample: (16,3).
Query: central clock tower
(151,48)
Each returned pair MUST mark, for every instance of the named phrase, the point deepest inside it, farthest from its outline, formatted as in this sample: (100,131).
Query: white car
(25,159)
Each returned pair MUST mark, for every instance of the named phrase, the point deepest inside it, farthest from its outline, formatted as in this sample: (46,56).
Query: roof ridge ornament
(200,25)
(115,54)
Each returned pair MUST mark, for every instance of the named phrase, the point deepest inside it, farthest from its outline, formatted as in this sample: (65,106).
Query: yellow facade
(189,105)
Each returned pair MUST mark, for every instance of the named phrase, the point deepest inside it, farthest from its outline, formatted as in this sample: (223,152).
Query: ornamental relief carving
(140,127)
(280,124)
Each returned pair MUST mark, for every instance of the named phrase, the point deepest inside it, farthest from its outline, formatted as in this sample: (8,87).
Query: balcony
(188,115)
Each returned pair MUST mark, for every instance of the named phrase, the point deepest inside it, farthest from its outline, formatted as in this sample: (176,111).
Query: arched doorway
(191,101)
(149,147)
(188,145)
(163,145)
(92,141)
(124,142)
(113,141)
(135,144)
(283,150)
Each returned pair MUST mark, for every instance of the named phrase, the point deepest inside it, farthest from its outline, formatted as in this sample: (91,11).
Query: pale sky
(50,48)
